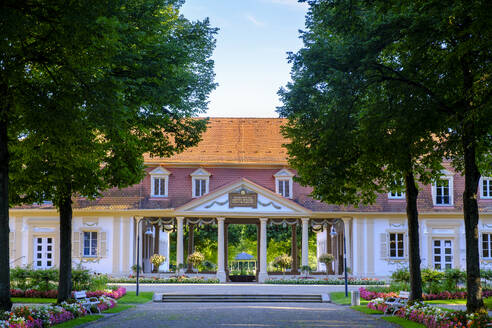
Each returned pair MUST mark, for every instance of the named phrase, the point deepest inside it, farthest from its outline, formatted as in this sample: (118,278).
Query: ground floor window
(396,245)
(487,245)
(443,254)
(90,244)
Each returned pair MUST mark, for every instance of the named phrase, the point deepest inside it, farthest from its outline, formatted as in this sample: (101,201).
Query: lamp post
(333,233)
(148,232)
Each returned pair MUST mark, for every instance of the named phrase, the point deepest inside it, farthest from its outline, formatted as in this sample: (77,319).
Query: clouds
(254,21)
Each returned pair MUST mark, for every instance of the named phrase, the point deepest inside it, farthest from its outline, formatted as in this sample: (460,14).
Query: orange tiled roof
(235,141)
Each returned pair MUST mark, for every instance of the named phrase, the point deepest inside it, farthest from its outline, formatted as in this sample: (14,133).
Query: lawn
(119,308)
(78,321)
(403,322)
(31,300)
(487,301)
(339,298)
(365,309)
(131,298)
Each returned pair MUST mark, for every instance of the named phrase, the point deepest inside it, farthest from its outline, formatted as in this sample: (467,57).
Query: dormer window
(396,195)
(442,190)
(283,183)
(200,183)
(159,178)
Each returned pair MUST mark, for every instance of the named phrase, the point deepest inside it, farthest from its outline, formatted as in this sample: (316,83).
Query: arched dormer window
(283,183)
(200,179)
(159,179)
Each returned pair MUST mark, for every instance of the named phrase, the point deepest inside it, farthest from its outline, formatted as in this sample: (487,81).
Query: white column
(221,275)
(263,274)
(348,240)
(164,249)
(179,241)
(305,236)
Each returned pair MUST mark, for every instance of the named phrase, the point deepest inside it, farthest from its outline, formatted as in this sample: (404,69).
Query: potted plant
(196,258)
(326,259)
(157,260)
(306,270)
(180,268)
(283,262)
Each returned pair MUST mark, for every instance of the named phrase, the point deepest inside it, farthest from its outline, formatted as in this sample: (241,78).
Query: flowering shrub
(325,281)
(434,317)
(182,279)
(378,304)
(115,294)
(48,315)
(370,295)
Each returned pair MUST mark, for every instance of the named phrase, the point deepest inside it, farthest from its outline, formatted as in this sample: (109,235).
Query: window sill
(158,197)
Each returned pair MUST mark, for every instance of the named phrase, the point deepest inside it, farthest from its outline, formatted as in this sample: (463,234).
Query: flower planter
(242,278)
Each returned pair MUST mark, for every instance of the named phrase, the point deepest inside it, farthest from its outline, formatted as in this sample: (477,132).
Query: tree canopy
(139,76)
(380,95)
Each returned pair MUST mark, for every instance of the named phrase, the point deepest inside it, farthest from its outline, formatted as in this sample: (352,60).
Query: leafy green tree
(94,121)
(353,135)
(37,38)
(427,62)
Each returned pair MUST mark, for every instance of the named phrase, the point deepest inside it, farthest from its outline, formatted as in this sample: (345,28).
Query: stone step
(239,298)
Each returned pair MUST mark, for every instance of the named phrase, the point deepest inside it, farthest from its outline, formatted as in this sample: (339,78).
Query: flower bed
(434,317)
(326,281)
(48,315)
(114,294)
(370,295)
(32,293)
(171,280)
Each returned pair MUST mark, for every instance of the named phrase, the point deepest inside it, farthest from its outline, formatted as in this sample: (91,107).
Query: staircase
(240,298)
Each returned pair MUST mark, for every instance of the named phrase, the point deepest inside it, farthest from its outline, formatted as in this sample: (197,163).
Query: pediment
(243,196)
(200,173)
(284,173)
(160,171)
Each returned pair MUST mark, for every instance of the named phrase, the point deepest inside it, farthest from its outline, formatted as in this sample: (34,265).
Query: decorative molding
(218,203)
(270,203)
(159,171)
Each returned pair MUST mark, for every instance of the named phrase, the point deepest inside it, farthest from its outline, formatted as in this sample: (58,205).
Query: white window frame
(396,195)
(488,181)
(489,233)
(403,233)
(200,174)
(284,175)
(90,243)
(159,173)
(449,177)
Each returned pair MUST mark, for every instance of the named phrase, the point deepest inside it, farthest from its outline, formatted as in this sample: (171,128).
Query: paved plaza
(240,315)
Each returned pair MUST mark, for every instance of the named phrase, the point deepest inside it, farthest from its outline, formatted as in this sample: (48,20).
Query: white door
(43,253)
(443,254)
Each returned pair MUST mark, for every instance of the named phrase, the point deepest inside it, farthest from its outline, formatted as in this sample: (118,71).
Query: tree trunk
(474,301)
(413,238)
(5,302)
(65,282)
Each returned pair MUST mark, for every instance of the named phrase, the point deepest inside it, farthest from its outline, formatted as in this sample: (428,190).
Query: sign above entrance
(243,199)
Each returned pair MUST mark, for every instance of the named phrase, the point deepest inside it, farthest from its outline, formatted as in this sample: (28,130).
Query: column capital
(265,220)
(346,219)
(305,220)
(180,218)
(220,220)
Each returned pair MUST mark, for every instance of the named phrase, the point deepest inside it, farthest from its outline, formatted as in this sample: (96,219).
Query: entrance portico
(245,202)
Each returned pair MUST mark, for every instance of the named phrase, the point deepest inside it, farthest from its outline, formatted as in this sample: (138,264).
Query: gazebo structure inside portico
(242,202)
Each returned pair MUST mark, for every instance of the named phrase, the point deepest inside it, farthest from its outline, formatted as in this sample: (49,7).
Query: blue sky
(250,57)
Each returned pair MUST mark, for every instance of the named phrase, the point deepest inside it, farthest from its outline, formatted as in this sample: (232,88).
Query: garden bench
(396,303)
(86,302)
